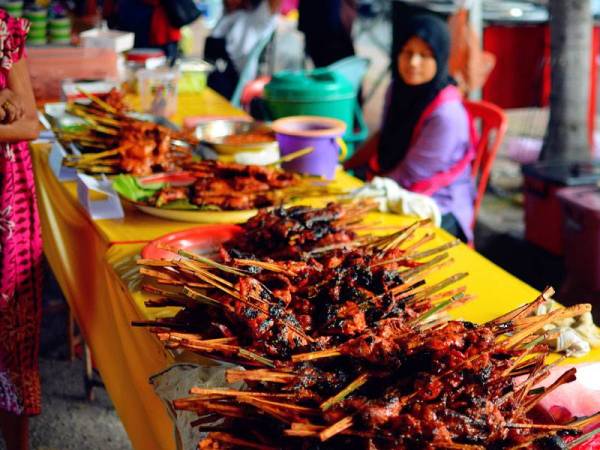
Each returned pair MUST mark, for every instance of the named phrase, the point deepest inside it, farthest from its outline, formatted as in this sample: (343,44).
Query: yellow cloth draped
(94,263)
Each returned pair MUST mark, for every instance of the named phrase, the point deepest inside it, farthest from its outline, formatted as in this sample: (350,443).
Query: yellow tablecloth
(94,263)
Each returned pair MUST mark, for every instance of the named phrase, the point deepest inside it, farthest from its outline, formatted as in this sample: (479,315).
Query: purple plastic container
(322,133)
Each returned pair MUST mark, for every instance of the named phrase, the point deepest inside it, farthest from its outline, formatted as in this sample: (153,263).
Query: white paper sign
(55,160)
(109,208)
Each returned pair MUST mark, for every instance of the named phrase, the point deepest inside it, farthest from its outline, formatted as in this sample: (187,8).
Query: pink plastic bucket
(323,134)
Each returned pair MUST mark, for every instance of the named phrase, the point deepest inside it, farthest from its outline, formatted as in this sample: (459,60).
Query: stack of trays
(14,8)
(60,30)
(38,19)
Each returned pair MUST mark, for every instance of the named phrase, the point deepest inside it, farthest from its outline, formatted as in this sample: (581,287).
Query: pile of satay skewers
(114,141)
(229,186)
(343,344)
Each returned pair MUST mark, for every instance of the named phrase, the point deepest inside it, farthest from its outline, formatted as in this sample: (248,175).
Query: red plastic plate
(202,240)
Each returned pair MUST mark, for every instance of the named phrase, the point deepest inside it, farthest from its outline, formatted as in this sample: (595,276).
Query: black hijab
(408,102)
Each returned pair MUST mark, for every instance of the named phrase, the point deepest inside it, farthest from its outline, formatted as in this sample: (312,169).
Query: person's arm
(436,149)
(364,154)
(26,128)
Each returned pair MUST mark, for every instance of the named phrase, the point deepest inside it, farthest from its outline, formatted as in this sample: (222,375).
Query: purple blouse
(442,143)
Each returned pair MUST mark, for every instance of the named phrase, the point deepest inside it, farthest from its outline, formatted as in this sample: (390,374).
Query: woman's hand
(12,107)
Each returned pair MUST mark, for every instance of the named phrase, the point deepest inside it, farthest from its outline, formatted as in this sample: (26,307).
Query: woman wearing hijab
(426,140)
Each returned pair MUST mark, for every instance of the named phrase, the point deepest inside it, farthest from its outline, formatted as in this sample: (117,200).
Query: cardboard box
(118,41)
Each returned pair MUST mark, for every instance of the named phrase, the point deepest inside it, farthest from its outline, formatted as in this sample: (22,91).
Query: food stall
(94,261)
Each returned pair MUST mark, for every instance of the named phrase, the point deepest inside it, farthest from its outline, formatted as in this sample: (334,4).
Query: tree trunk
(570,43)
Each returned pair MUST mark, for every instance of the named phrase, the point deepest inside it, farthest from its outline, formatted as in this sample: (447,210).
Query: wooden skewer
(553,316)
(433,251)
(357,383)
(162,292)
(259,375)
(447,294)
(541,426)
(406,289)
(424,240)
(458,446)
(535,375)
(225,392)
(282,414)
(286,406)
(583,438)
(567,377)
(583,422)
(521,357)
(102,104)
(264,265)
(431,269)
(154,262)
(525,309)
(291,156)
(439,308)
(420,267)
(310,430)
(236,442)
(220,408)
(200,297)
(336,428)
(426,292)
(396,239)
(329,353)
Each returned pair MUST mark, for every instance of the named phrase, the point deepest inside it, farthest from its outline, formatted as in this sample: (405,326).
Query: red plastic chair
(493,128)
(253,89)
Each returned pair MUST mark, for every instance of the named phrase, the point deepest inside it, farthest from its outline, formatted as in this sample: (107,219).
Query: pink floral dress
(20,254)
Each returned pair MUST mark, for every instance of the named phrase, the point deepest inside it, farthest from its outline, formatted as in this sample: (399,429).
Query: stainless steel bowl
(214,132)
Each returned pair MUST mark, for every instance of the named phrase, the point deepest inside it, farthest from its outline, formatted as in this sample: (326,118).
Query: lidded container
(193,74)
(543,214)
(320,92)
(158,91)
(141,58)
(581,227)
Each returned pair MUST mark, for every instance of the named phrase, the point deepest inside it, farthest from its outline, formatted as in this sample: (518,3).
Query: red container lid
(143,54)
(586,198)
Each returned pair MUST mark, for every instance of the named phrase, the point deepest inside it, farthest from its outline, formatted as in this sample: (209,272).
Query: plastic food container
(139,59)
(158,91)
(192,75)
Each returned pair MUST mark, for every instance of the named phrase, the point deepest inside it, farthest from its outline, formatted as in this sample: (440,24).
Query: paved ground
(69,421)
